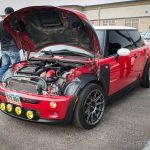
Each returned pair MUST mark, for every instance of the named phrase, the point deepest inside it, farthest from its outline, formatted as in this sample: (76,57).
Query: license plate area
(13,99)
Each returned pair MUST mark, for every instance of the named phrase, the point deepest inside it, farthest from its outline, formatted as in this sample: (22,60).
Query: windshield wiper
(63,52)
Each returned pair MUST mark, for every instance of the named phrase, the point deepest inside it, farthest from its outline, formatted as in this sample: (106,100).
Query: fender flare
(76,86)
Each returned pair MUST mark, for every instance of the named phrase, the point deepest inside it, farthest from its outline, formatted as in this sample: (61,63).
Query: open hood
(36,27)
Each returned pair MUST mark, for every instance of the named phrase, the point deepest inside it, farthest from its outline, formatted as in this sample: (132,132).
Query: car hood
(36,27)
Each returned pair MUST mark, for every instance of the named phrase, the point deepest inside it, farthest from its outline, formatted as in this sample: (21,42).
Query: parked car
(147,37)
(143,33)
(76,70)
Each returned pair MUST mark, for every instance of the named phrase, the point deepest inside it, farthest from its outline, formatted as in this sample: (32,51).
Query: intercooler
(24,86)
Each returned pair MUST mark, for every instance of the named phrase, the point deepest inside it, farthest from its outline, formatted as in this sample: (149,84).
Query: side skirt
(123,91)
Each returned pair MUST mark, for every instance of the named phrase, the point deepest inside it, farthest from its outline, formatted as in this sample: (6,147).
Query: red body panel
(127,69)
(120,70)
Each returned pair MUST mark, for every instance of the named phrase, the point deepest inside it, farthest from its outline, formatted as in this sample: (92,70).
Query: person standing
(9,50)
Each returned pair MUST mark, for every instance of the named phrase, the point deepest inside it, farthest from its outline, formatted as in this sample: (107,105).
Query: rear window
(136,38)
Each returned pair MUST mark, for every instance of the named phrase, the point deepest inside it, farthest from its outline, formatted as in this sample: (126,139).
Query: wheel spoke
(87,110)
(88,116)
(99,97)
(96,115)
(88,104)
(99,109)
(99,103)
(95,94)
(90,97)
(92,117)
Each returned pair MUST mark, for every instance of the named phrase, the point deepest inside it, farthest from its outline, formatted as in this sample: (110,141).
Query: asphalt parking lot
(125,126)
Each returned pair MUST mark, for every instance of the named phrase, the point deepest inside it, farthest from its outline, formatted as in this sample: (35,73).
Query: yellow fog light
(29,114)
(3,106)
(53,104)
(9,107)
(18,110)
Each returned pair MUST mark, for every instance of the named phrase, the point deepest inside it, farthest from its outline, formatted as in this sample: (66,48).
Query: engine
(43,77)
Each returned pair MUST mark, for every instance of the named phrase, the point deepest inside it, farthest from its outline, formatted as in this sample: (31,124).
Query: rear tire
(90,107)
(145,82)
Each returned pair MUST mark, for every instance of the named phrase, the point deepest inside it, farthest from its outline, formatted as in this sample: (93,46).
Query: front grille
(24,86)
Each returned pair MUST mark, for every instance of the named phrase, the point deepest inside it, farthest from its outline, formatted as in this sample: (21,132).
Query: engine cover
(28,69)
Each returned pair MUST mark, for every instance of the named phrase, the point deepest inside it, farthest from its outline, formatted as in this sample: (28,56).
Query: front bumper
(39,105)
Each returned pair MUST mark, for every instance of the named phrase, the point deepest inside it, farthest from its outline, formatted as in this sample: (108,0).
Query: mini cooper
(75,68)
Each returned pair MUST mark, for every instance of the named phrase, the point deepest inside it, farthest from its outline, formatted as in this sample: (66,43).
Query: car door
(121,73)
(139,51)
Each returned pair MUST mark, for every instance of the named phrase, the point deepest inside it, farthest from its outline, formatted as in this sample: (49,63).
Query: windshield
(101,35)
(66,50)
(147,35)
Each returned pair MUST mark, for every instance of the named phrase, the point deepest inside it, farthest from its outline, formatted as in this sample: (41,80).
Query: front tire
(90,107)
(146,76)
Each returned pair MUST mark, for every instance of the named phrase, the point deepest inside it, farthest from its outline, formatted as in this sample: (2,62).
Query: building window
(132,22)
(109,23)
(92,22)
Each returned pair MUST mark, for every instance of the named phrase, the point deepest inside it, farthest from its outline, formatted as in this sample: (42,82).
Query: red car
(76,70)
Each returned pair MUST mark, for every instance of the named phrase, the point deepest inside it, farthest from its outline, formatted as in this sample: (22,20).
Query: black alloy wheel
(93,107)
(90,107)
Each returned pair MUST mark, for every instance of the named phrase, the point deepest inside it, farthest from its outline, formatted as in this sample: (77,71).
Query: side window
(118,39)
(136,38)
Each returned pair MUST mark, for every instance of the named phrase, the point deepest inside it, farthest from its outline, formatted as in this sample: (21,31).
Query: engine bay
(45,77)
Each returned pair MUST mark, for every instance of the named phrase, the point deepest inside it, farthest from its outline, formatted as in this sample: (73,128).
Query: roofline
(113,28)
(127,1)
(71,5)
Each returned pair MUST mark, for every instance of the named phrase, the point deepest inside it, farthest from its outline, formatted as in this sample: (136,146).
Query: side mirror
(122,52)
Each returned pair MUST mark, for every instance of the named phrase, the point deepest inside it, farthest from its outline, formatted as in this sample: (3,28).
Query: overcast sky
(17,4)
